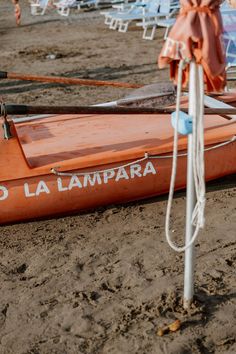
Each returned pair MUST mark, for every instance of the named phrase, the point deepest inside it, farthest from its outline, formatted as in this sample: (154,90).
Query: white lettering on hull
(74,182)
(135,171)
(92,179)
(85,181)
(41,188)
(149,168)
(121,174)
(108,175)
(3,193)
(60,186)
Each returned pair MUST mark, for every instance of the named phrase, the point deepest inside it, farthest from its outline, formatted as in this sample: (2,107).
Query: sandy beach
(105,281)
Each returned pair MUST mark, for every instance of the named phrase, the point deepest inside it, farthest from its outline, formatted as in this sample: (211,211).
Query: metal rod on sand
(191,197)
(195,205)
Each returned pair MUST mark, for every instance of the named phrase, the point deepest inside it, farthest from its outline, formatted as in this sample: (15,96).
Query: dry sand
(105,281)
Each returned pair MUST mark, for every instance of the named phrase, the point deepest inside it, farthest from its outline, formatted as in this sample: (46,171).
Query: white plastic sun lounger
(166,23)
(38,7)
(122,9)
(230,47)
(63,6)
(164,18)
(143,12)
(88,4)
(229,37)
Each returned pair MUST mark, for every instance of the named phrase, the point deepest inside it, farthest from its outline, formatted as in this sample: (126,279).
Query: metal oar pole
(67,80)
(18,109)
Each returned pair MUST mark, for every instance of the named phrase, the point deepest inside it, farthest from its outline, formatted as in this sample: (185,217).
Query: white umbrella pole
(191,195)
(195,203)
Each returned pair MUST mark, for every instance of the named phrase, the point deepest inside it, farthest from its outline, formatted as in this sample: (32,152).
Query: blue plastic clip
(185,125)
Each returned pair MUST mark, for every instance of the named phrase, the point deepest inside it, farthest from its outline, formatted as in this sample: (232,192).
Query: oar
(66,80)
(16,109)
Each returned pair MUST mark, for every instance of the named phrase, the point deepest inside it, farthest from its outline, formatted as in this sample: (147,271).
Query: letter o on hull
(3,193)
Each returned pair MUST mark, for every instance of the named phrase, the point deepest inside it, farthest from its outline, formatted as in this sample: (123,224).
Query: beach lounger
(167,9)
(166,23)
(229,38)
(38,7)
(63,6)
(122,8)
(114,3)
(230,48)
(88,4)
(143,12)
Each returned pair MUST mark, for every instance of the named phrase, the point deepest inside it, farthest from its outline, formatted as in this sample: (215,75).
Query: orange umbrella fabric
(17,11)
(196,35)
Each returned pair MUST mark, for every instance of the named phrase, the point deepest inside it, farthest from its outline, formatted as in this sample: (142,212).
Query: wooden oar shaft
(25,110)
(66,80)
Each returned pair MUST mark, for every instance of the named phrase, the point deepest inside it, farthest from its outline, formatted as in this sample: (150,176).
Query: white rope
(232,140)
(53,170)
(146,157)
(198,162)
(174,163)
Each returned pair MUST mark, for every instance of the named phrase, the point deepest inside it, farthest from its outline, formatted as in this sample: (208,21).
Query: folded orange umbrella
(196,35)
(17,11)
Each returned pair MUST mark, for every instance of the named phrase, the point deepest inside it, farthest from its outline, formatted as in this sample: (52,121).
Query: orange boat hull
(49,195)
(110,171)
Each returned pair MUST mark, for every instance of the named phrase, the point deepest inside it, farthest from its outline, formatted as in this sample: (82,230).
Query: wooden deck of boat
(107,138)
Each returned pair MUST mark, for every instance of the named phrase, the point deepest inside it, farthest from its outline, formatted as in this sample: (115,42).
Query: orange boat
(66,163)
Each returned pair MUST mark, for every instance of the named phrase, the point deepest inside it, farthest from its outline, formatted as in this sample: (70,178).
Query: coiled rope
(198,161)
